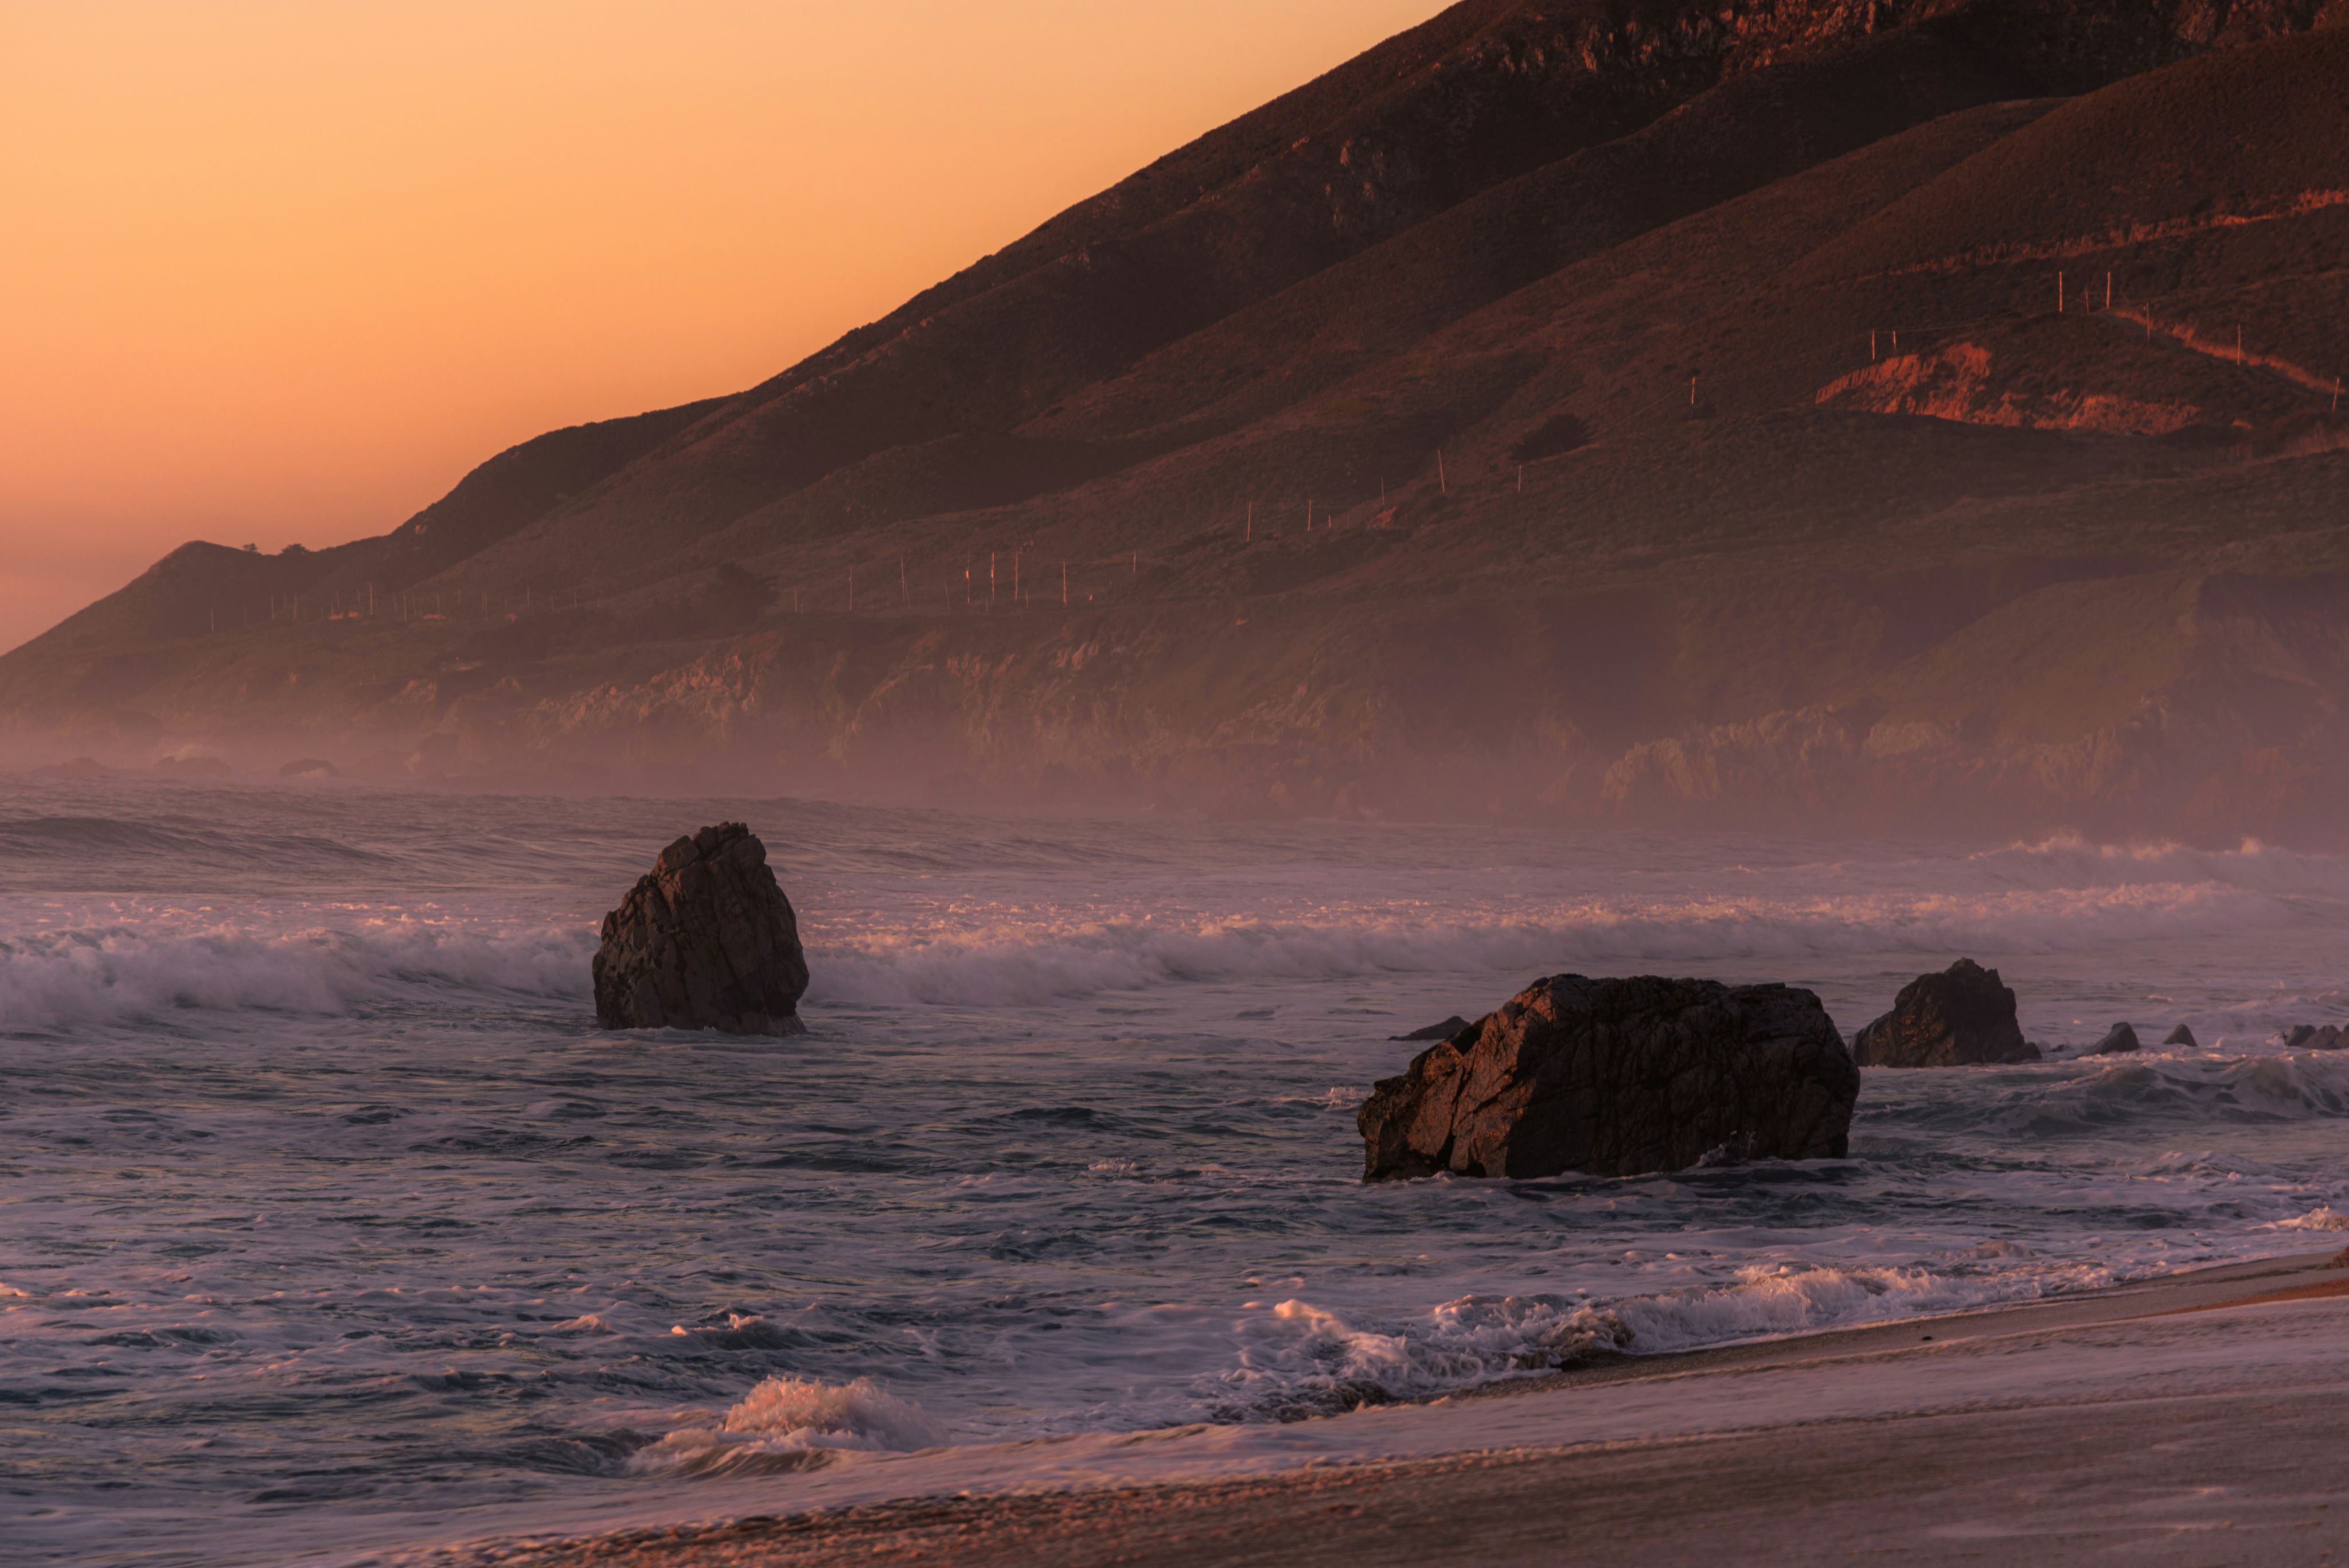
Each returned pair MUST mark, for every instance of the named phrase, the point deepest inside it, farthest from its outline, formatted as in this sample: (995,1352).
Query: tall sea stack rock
(1616,1077)
(1960,1018)
(705,940)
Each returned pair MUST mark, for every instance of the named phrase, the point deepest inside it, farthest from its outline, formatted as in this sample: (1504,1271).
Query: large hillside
(1879,416)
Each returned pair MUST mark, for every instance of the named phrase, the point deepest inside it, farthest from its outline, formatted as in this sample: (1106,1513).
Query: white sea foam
(1302,1359)
(982,962)
(790,1422)
(2072,860)
(121,974)
(2323,1216)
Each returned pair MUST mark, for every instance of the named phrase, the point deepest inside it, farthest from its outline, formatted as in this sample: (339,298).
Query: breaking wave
(1013,962)
(1310,1362)
(790,1422)
(2074,861)
(145,968)
(64,981)
(2168,1089)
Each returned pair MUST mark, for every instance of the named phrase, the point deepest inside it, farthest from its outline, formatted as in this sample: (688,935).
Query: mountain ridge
(1767,318)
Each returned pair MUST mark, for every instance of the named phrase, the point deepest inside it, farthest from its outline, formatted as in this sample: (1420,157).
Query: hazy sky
(276,270)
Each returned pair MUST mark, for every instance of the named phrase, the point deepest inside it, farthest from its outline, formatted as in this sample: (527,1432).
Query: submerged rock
(2120,1039)
(1957,1018)
(1443,1031)
(2181,1035)
(1616,1077)
(2309,1037)
(705,940)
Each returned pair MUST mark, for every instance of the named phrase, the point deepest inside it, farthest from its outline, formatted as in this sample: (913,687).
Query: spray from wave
(792,1423)
(1310,1362)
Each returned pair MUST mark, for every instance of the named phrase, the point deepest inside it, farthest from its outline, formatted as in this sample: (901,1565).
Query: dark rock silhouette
(705,940)
(1443,1031)
(2120,1041)
(1616,1077)
(1960,1017)
(2309,1037)
(2181,1035)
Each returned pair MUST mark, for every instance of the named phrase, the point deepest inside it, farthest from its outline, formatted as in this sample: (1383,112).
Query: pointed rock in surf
(2181,1035)
(1616,1077)
(704,941)
(2119,1042)
(1957,1018)
(2309,1037)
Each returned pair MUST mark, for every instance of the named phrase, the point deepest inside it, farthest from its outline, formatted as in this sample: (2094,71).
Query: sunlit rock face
(705,940)
(1616,1077)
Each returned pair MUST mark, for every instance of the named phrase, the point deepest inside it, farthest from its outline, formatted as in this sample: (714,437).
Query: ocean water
(329,1219)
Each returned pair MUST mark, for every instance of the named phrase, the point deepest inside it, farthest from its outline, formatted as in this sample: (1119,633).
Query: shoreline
(2232,1371)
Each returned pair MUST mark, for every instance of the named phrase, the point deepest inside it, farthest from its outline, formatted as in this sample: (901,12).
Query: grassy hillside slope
(1887,417)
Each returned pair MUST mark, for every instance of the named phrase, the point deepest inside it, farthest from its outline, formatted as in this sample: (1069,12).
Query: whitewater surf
(332,1216)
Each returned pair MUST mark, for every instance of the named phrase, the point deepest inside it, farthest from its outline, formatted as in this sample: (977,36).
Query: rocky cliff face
(1607,412)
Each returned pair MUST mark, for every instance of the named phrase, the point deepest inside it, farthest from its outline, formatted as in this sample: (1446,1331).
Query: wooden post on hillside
(905,589)
(1872,346)
(2059,293)
(991,582)
(1443,486)
(2108,291)
(1251,525)
(1691,391)
(1064,585)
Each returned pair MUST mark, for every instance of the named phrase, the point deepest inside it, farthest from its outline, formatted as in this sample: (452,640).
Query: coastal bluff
(1618,1077)
(706,939)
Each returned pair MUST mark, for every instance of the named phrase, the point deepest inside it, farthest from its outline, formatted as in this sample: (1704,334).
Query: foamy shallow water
(330,1213)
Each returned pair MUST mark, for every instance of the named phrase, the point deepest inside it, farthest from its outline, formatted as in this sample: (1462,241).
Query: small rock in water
(1443,1031)
(1960,1017)
(2120,1039)
(1616,1077)
(2309,1037)
(2181,1035)
(704,941)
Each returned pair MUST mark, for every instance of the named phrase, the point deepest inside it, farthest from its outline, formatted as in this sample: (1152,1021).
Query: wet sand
(2200,1419)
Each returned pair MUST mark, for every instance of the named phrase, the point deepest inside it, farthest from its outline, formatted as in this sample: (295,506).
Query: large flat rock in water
(1616,1077)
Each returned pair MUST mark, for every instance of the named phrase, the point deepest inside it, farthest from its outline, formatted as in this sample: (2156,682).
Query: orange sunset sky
(281,270)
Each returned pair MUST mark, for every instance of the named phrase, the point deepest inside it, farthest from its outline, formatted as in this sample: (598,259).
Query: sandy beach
(2192,1420)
